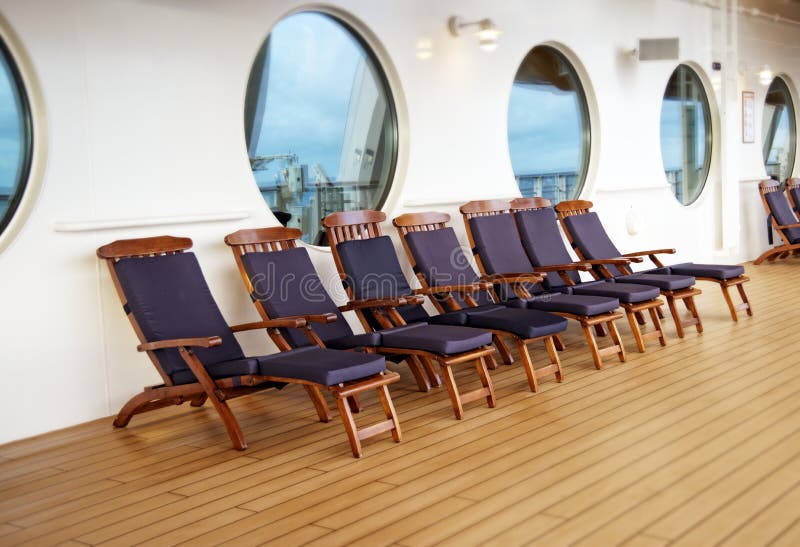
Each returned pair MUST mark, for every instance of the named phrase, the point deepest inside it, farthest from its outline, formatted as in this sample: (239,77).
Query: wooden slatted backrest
(425,222)
(262,240)
(140,248)
(571,208)
(793,184)
(481,208)
(529,204)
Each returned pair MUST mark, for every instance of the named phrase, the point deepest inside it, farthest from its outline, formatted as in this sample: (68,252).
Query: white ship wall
(143,103)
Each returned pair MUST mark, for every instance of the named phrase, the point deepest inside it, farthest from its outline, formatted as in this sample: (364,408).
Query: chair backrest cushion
(541,239)
(591,238)
(782,211)
(373,271)
(442,261)
(169,298)
(286,283)
(795,192)
(500,250)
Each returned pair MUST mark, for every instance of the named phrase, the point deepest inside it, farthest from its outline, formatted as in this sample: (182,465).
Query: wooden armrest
(281,323)
(208,342)
(785,226)
(321,318)
(653,252)
(514,278)
(613,261)
(383,302)
(474,287)
(576,266)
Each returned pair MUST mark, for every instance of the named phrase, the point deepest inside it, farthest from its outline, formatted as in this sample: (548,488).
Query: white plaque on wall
(748,116)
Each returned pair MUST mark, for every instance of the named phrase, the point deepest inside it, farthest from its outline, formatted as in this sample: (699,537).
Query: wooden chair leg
(231,425)
(349,426)
(637,332)
(559,342)
(675,317)
(423,384)
(657,325)
(455,397)
(689,301)
(727,295)
(319,402)
(743,295)
(769,255)
(355,406)
(430,369)
(501,346)
(612,328)
(527,364)
(640,318)
(486,382)
(592,343)
(491,363)
(199,400)
(660,311)
(599,329)
(131,408)
(551,351)
(389,411)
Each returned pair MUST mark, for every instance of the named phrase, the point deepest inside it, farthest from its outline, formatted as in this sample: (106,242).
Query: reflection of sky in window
(10,134)
(672,134)
(312,62)
(781,141)
(545,130)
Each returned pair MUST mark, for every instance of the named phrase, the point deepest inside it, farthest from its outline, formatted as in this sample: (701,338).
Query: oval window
(685,134)
(15,138)
(320,122)
(778,132)
(549,134)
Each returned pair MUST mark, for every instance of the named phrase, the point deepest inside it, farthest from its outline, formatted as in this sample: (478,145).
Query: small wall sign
(748,116)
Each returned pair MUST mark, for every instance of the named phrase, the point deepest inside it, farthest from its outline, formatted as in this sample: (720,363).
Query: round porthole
(778,132)
(320,122)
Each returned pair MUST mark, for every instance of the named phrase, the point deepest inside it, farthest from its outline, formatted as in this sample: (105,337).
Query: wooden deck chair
(590,241)
(448,279)
(382,299)
(724,275)
(538,228)
(497,249)
(282,281)
(782,219)
(793,194)
(171,309)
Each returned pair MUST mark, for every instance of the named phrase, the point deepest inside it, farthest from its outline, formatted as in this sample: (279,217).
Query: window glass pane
(778,134)
(15,138)
(320,123)
(685,134)
(548,127)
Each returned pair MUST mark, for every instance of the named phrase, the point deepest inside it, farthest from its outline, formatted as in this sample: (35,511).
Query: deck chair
(382,299)
(497,249)
(171,309)
(577,215)
(782,219)
(590,241)
(282,281)
(538,229)
(447,278)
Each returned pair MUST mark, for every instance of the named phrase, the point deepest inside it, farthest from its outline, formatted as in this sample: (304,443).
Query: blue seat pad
(665,282)
(717,271)
(525,323)
(628,293)
(573,303)
(443,339)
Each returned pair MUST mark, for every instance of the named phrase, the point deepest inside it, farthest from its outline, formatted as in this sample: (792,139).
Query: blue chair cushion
(225,369)
(628,293)
(323,366)
(663,282)
(715,271)
(461,317)
(541,239)
(589,236)
(573,303)
(443,339)
(351,341)
(169,298)
(782,211)
(524,323)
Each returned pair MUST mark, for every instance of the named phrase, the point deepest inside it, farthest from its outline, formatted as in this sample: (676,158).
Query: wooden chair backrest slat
(573,207)
(481,208)
(529,204)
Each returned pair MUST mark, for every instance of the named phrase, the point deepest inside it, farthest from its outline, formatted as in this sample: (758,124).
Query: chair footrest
(375,429)
(371,382)
(684,293)
(475,395)
(642,306)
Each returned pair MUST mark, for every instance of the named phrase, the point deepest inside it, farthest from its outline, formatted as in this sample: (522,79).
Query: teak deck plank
(694,443)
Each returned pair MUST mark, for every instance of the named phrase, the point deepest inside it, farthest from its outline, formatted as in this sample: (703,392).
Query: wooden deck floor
(696,443)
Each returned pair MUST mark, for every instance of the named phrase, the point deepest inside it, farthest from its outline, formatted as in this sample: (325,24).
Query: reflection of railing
(556,186)
(774,169)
